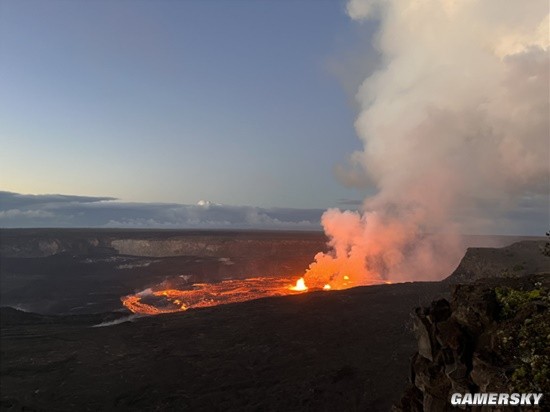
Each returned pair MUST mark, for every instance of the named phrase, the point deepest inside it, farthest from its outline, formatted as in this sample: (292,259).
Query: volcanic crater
(293,350)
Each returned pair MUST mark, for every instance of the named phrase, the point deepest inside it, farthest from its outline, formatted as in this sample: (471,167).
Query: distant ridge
(516,260)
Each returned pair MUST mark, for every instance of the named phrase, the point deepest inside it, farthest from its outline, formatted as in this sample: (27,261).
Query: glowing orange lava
(200,295)
(210,294)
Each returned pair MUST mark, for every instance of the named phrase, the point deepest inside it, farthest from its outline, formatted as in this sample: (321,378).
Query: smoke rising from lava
(455,132)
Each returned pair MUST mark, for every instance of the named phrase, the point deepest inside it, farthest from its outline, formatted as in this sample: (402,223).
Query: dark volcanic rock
(28,243)
(68,271)
(338,351)
(515,260)
(495,339)
(427,344)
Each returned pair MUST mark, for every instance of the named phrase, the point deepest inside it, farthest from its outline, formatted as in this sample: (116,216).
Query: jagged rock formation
(493,337)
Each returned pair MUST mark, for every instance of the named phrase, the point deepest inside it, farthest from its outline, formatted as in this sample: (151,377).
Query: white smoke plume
(455,129)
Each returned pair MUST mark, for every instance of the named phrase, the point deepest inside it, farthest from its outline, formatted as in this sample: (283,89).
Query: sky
(233,102)
(423,116)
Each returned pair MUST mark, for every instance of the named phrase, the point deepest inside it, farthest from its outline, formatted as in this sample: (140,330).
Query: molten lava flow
(300,285)
(200,295)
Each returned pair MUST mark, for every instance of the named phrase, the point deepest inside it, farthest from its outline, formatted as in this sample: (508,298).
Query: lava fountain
(300,286)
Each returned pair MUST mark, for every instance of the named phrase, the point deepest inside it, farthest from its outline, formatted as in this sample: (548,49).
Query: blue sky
(134,111)
(237,102)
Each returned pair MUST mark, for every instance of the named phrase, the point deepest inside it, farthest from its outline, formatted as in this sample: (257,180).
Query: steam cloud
(455,129)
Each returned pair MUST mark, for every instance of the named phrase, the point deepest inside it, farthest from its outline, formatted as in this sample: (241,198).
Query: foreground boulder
(493,337)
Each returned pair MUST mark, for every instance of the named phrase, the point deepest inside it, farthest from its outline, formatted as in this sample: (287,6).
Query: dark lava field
(339,351)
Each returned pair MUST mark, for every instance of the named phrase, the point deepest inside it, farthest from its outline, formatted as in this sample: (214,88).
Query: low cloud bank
(19,210)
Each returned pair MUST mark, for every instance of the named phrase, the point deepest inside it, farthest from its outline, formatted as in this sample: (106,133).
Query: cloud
(17,213)
(454,127)
(16,200)
(363,9)
(350,202)
(18,210)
